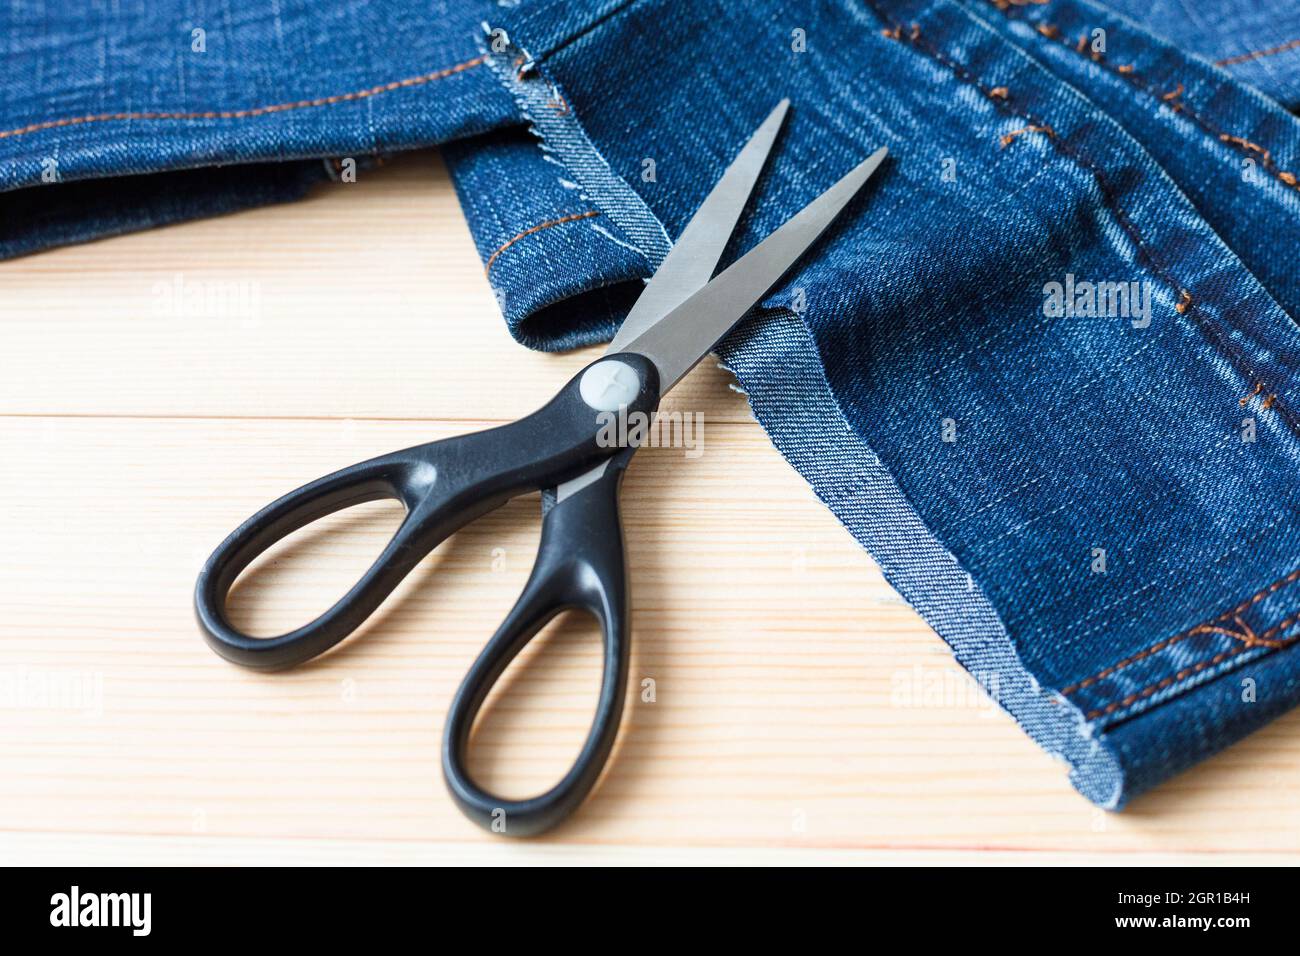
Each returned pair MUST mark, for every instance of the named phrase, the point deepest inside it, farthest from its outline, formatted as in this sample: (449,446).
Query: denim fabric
(113,90)
(1180,110)
(1068,500)
(1257,41)
(542,286)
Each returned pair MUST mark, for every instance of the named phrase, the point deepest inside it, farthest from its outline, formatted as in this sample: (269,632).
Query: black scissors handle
(580,565)
(444,486)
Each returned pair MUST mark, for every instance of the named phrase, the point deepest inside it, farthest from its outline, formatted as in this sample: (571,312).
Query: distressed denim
(1098,512)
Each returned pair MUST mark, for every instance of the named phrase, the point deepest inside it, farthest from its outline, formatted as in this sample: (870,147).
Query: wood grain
(798,708)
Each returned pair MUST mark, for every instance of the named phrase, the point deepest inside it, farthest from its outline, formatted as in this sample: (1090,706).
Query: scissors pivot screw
(610,385)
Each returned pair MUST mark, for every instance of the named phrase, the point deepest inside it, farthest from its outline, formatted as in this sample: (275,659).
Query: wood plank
(373,288)
(782,665)
(59,849)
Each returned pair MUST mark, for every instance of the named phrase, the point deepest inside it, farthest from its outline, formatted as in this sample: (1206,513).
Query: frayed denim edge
(779,369)
(551,120)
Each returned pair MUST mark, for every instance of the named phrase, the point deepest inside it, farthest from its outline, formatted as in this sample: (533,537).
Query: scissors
(682,313)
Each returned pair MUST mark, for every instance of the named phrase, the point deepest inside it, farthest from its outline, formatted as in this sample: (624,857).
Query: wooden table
(158,388)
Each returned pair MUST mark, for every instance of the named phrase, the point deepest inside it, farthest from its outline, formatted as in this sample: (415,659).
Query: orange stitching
(1277,629)
(1187,672)
(537,228)
(559,103)
(1109,198)
(253,111)
(1161,645)
(1036,128)
(1243,402)
(1247,144)
(1246,634)
(1141,655)
(1256,54)
(896,33)
(1184,301)
(1154,688)
(999,92)
(1173,98)
(1266,160)
(1260,595)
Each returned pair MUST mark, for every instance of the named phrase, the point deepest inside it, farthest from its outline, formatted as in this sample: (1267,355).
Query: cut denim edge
(779,369)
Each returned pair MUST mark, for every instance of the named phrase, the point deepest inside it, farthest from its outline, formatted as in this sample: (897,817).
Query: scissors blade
(678,341)
(690,263)
(692,259)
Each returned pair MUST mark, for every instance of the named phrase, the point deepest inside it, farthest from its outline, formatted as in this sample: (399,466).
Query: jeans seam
(1191,670)
(522,234)
(247,112)
(591,27)
(1172,98)
(544,108)
(1161,645)
(1258,54)
(1001,100)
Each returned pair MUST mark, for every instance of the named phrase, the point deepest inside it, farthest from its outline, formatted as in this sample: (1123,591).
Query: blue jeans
(1044,370)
